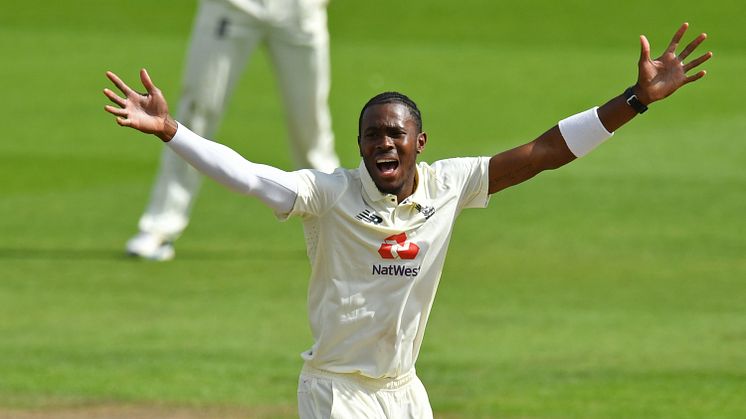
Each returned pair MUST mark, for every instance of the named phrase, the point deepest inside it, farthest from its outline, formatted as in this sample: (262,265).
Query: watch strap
(631,98)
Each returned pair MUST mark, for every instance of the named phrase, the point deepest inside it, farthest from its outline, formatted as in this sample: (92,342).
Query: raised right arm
(149,114)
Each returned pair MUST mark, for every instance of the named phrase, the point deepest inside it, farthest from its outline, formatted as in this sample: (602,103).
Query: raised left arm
(577,135)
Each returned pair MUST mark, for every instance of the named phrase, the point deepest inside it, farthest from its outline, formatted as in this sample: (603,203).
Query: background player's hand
(146,112)
(659,78)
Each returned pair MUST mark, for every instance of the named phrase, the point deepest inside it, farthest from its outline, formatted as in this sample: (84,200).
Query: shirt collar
(375,195)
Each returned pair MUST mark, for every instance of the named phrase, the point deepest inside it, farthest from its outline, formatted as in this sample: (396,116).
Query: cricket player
(225,34)
(377,235)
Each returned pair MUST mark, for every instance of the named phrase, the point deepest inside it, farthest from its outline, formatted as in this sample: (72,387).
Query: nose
(385,143)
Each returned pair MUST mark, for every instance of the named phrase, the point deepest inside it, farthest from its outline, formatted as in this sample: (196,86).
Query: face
(389,142)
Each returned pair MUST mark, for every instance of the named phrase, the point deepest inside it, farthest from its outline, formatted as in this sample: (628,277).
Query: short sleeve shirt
(376,262)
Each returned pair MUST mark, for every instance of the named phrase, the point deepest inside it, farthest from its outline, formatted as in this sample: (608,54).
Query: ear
(421,141)
(359,150)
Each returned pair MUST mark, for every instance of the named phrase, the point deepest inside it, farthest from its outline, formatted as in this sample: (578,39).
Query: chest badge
(397,247)
(427,212)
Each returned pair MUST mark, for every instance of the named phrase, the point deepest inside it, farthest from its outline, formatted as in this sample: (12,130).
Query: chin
(388,188)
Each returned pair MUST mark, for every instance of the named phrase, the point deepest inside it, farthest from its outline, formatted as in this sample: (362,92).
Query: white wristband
(583,132)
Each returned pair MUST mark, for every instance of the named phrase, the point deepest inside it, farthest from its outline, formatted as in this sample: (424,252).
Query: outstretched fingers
(677,38)
(115,98)
(116,111)
(695,77)
(694,63)
(124,122)
(122,86)
(692,46)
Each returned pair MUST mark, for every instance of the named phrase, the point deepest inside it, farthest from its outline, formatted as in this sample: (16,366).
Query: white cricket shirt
(376,263)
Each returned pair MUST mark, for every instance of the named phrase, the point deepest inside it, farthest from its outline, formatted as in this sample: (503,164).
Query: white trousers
(223,38)
(326,395)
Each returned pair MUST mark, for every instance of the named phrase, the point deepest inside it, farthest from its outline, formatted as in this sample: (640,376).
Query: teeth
(386,161)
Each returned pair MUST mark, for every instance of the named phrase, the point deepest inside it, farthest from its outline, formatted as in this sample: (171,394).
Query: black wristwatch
(633,101)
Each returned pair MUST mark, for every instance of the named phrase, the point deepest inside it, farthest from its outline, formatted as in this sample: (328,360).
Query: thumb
(644,49)
(147,82)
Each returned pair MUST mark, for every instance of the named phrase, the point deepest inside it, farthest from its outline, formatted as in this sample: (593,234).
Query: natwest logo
(397,247)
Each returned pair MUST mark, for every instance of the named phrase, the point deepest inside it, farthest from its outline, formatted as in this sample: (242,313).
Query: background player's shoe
(150,246)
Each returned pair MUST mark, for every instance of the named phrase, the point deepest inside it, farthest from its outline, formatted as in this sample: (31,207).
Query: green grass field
(612,288)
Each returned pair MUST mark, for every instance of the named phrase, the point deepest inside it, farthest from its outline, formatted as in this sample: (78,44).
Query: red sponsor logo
(397,247)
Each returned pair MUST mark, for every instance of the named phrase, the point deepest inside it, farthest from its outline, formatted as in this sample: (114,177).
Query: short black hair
(392,97)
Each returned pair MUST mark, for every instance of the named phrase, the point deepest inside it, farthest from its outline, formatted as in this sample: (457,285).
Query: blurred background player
(224,35)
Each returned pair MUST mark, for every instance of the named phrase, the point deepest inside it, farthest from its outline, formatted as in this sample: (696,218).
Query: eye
(396,133)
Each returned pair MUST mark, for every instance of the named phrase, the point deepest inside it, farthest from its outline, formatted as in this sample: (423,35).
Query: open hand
(659,78)
(145,112)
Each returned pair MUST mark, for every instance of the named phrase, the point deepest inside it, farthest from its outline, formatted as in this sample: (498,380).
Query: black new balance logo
(369,217)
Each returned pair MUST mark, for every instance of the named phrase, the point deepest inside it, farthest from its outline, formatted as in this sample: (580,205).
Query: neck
(407,192)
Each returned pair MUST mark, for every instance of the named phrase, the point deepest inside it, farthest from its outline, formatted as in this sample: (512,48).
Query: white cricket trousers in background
(326,395)
(225,34)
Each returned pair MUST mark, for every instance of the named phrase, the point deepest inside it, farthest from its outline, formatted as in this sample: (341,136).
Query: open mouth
(387,167)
